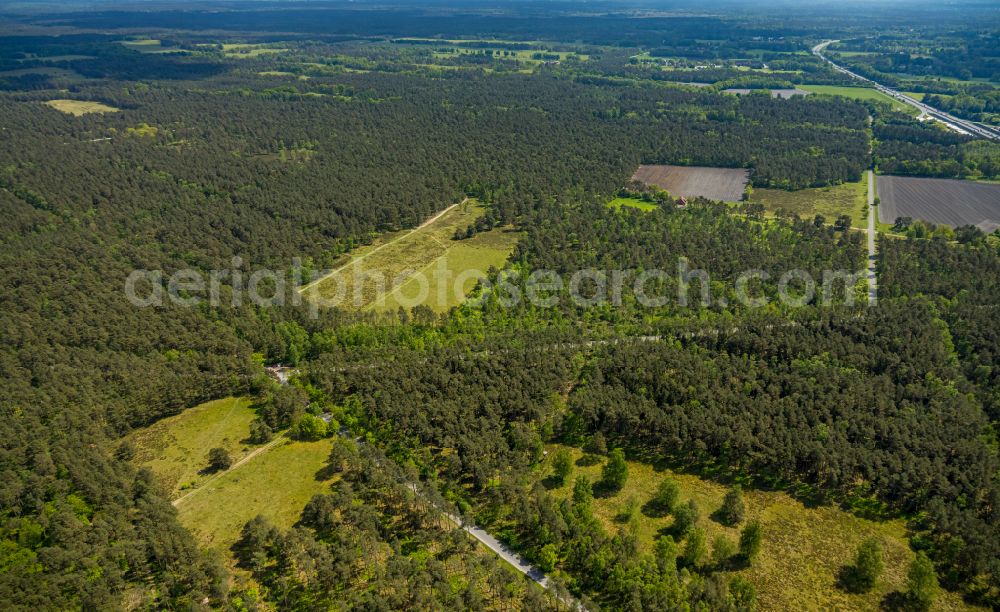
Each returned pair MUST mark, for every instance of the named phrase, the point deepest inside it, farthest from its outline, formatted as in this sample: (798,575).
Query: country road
(872,278)
(512,558)
(956,124)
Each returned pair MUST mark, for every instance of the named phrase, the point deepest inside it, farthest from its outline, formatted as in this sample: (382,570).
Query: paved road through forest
(872,278)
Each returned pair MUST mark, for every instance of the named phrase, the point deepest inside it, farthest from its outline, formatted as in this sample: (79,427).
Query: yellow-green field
(846,199)
(176,448)
(804,547)
(149,45)
(275,480)
(78,108)
(244,50)
(282,73)
(860,93)
(276,483)
(421,266)
(642,205)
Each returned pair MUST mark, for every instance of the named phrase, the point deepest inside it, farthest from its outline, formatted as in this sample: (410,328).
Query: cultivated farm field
(942,201)
(722,184)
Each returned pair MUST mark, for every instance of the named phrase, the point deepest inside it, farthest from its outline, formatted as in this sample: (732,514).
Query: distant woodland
(209,164)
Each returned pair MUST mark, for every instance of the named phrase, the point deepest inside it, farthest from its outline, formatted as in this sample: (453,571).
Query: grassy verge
(830,202)
(804,547)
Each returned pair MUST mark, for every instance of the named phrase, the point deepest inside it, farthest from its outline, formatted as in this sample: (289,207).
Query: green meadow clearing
(149,45)
(642,205)
(78,108)
(176,448)
(860,93)
(420,266)
(248,50)
(845,199)
(803,550)
(276,483)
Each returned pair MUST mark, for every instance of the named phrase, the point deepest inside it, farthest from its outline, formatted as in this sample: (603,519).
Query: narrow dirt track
(177,502)
(382,246)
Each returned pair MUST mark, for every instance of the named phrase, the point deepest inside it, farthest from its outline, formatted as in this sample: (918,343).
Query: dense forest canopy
(246,138)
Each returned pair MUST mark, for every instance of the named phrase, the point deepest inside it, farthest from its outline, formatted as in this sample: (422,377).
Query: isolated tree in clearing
(260,433)
(694,548)
(732,509)
(861,576)
(219,459)
(583,491)
(665,498)
(615,471)
(562,464)
(750,540)
(685,516)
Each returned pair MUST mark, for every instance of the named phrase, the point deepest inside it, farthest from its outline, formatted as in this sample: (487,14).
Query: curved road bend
(959,125)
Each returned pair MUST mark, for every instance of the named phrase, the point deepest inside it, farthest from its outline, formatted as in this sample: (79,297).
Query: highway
(956,124)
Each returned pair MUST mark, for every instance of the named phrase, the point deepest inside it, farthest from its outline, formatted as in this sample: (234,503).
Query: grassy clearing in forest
(247,50)
(803,550)
(78,108)
(642,205)
(148,45)
(277,484)
(861,93)
(830,202)
(422,262)
(176,448)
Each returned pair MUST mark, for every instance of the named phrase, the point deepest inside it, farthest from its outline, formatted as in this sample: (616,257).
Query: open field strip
(79,108)
(803,548)
(638,203)
(830,202)
(275,479)
(861,93)
(148,45)
(422,266)
(365,253)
